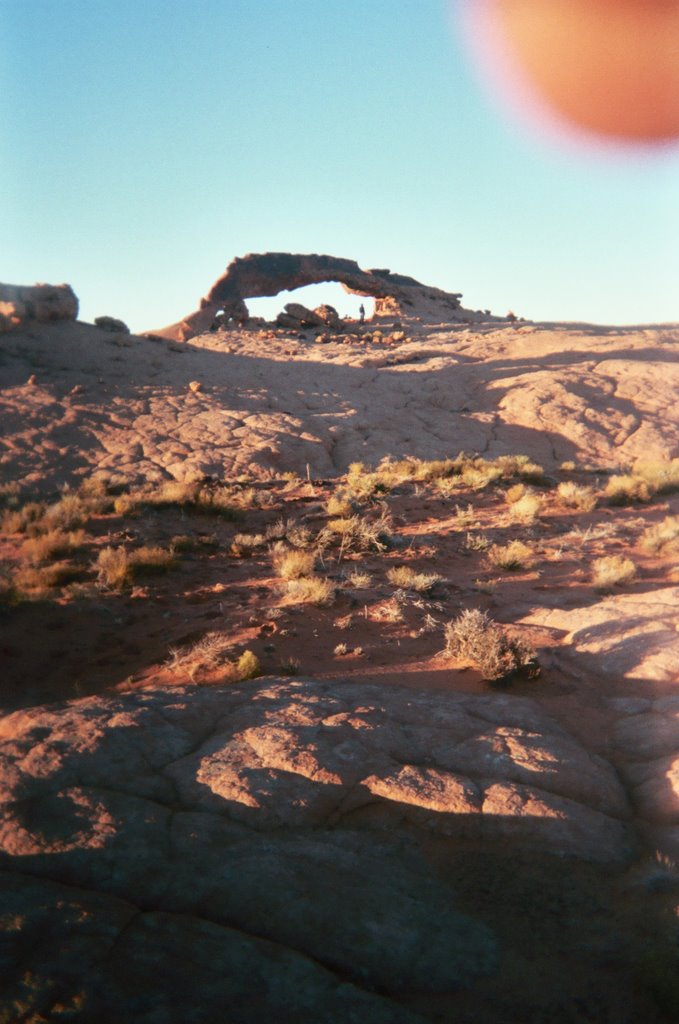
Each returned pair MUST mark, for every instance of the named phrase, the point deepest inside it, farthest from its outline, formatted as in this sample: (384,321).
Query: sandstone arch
(262,274)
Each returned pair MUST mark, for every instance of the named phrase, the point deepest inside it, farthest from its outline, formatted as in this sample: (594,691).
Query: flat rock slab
(633,636)
(260,823)
(74,398)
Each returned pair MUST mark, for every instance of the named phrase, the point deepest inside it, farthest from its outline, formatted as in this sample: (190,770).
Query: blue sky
(144,145)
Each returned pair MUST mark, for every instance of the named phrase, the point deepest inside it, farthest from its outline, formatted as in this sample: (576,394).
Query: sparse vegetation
(526,509)
(407,578)
(113,568)
(116,567)
(477,639)
(572,495)
(612,571)
(291,563)
(311,590)
(663,536)
(513,556)
(45,546)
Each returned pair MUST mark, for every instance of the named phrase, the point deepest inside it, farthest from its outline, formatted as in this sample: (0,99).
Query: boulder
(21,304)
(110,323)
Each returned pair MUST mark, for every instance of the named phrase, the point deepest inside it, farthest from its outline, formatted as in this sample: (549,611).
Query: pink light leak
(602,78)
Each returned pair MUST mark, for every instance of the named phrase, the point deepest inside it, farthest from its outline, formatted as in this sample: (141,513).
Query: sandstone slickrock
(272,272)
(634,634)
(266,407)
(40,303)
(273,812)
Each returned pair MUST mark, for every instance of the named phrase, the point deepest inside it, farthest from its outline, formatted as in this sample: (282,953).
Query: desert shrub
(515,493)
(22,519)
(526,509)
(184,543)
(36,579)
(313,590)
(126,504)
(359,580)
(151,559)
(661,535)
(338,505)
(67,513)
(247,666)
(290,667)
(291,563)
(572,495)
(611,571)
(513,556)
(49,545)
(627,489)
(476,638)
(243,544)
(661,475)
(206,655)
(519,466)
(299,536)
(407,578)
(476,542)
(113,568)
(358,533)
(465,516)
(9,494)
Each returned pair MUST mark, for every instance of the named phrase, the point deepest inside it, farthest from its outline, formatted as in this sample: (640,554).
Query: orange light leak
(610,68)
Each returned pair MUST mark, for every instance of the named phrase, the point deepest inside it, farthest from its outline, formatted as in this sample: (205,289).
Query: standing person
(361,314)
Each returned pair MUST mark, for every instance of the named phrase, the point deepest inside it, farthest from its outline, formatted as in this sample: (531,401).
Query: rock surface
(21,305)
(634,635)
(262,829)
(604,397)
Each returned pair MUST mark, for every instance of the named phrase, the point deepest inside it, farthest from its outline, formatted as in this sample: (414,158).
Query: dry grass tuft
(35,580)
(612,571)
(526,509)
(475,638)
(627,489)
(407,578)
(243,544)
(359,580)
(49,545)
(211,654)
(358,533)
(151,559)
(313,590)
(291,563)
(662,536)
(207,655)
(572,495)
(113,568)
(23,519)
(513,556)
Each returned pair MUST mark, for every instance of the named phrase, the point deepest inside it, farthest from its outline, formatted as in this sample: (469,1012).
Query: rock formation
(260,274)
(20,304)
(111,324)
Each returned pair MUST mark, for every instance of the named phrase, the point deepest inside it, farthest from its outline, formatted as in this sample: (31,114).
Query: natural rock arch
(262,274)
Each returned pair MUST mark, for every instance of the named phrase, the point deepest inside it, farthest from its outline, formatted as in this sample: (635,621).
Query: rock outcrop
(259,274)
(111,324)
(272,828)
(21,304)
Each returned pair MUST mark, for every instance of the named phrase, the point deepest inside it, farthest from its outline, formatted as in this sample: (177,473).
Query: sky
(145,145)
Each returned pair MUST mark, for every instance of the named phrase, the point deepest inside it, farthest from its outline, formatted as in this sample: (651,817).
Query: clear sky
(145,143)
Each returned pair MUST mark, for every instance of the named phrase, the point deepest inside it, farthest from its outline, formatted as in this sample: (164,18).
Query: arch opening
(329,293)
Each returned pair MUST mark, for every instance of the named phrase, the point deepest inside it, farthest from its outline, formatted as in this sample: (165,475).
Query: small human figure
(361,314)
